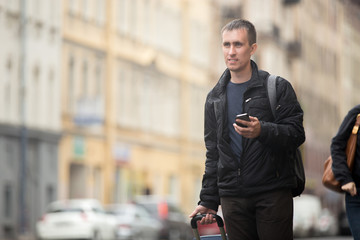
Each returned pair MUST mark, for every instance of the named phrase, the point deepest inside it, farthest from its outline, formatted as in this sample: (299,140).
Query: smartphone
(243,116)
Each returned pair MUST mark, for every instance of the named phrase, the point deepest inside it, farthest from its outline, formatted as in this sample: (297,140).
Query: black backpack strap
(271,87)
(299,171)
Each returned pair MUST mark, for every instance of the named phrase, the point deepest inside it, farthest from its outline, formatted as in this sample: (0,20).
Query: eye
(238,44)
(226,44)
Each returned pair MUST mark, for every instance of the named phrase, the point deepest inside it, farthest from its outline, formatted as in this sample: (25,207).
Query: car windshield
(151,207)
(121,211)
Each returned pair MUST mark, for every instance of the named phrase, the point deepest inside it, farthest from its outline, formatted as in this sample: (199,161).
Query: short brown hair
(239,24)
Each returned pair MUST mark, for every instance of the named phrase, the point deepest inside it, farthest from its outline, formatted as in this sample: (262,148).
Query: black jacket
(265,163)
(338,146)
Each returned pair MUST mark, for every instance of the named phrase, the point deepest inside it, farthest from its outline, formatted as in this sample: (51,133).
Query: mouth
(232,60)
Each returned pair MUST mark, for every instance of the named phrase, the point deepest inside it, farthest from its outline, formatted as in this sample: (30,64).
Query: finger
(203,220)
(213,219)
(253,118)
(353,190)
(209,218)
(241,130)
(193,214)
(237,128)
(242,122)
(350,191)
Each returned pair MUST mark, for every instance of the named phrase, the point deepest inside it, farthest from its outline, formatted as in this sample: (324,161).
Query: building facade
(30,124)
(135,76)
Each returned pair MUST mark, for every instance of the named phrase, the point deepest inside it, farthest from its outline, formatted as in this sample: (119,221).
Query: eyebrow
(235,43)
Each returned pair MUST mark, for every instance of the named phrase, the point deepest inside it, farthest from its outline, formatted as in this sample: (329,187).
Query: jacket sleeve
(209,195)
(287,129)
(338,148)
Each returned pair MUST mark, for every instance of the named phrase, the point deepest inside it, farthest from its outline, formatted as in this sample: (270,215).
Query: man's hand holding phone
(240,118)
(247,126)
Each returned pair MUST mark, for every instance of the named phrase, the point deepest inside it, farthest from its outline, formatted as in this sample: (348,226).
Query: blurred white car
(327,224)
(76,219)
(134,222)
(307,210)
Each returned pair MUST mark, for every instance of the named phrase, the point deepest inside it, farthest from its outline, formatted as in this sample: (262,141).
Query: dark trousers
(353,214)
(266,216)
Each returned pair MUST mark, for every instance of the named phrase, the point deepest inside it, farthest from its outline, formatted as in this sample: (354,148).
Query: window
(35,93)
(148,94)
(50,99)
(133,19)
(7,207)
(122,16)
(50,194)
(85,79)
(169,35)
(199,53)
(7,88)
(71,84)
(100,15)
(98,78)
(86,10)
(147,22)
(9,154)
(36,9)
(52,13)
(73,7)
(125,90)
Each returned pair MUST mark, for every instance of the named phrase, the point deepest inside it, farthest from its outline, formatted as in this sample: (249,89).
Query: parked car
(307,210)
(174,224)
(134,222)
(327,224)
(76,219)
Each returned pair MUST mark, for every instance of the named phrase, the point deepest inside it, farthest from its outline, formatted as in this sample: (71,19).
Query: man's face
(237,50)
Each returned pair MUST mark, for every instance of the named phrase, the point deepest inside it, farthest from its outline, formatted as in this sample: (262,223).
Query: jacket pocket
(258,106)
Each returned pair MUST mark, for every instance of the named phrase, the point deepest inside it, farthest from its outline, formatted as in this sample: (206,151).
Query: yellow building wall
(120,162)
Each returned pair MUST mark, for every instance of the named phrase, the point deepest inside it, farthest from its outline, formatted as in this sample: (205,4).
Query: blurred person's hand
(350,188)
(208,219)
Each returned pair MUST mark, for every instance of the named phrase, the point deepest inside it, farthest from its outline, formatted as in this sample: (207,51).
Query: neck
(241,76)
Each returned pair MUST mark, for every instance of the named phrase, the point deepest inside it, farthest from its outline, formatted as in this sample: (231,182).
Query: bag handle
(357,124)
(351,144)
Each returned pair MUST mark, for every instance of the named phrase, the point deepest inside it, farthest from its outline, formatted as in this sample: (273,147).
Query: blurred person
(350,181)
(248,169)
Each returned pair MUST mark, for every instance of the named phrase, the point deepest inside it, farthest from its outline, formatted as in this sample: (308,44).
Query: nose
(232,50)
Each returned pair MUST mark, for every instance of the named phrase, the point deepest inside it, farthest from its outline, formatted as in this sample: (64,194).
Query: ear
(253,48)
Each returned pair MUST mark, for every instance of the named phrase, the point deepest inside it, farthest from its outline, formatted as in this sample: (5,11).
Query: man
(248,170)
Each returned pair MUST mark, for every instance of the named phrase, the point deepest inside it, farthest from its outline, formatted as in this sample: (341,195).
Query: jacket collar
(255,79)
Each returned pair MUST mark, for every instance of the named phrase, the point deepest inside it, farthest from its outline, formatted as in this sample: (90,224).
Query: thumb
(354,190)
